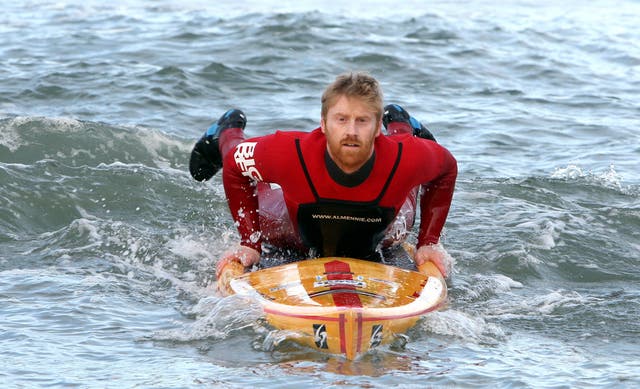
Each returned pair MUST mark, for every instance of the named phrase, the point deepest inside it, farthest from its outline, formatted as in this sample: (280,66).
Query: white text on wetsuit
(348,217)
(245,162)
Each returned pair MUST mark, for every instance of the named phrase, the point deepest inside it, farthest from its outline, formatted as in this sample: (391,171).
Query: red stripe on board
(337,270)
(359,335)
(300,316)
(343,335)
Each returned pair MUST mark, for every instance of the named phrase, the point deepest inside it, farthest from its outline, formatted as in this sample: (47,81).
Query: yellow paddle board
(343,305)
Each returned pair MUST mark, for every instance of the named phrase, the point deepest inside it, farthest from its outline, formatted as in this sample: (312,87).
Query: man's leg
(398,231)
(397,121)
(209,151)
(221,138)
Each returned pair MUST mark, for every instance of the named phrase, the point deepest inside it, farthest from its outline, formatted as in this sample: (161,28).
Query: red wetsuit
(328,216)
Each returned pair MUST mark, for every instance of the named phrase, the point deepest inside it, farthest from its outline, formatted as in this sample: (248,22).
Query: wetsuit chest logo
(347,229)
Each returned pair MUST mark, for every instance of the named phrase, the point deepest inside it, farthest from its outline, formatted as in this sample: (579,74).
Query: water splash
(216,319)
(463,325)
(609,178)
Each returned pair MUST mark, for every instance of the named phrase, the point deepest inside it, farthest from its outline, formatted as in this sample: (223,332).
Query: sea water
(108,246)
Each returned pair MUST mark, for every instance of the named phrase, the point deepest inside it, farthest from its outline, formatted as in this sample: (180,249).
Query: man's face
(351,128)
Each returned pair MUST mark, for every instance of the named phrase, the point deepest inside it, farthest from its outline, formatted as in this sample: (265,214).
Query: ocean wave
(576,225)
(80,143)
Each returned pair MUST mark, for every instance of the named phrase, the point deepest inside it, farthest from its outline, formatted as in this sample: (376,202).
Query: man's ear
(323,125)
(379,128)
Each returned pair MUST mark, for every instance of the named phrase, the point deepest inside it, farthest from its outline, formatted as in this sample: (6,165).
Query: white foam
(10,138)
(189,286)
(121,165)
(157,143)
(569,172)
(497,283)
(546,231)
(609,178)
(87,226)
(202,254)
(452,322)
(53,124)
(546,304)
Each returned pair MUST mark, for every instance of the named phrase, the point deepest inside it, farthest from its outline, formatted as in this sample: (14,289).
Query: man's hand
(242,254)
(232,264)
(436,254)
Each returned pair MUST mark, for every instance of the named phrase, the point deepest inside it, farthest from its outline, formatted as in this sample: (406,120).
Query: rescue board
(342,305)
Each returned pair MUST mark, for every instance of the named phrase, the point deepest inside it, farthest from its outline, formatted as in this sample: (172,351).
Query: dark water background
(107,245)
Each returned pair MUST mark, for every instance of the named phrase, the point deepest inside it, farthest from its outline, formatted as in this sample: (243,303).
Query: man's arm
(435,202)
(240,175)
(240,189)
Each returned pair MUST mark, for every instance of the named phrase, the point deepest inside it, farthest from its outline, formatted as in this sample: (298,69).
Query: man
(343,188)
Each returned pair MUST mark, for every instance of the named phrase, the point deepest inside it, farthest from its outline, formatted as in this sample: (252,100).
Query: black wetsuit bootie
(206,158)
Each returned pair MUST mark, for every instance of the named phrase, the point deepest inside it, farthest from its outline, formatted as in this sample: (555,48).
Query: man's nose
(352,128)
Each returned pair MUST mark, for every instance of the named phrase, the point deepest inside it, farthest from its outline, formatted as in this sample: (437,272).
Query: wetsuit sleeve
(268,159)
(239,175)
(436,196)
